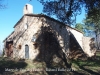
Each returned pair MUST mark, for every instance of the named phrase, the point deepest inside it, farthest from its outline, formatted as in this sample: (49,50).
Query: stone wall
(57,33)
(37,26)
(87,42)
(26,36)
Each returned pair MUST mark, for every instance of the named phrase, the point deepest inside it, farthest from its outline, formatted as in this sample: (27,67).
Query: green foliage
(94,16)
(67,10)
(88,24)
(89,27)
(89,66)
(92,25)
(88,63)
(2,4)
(79,27)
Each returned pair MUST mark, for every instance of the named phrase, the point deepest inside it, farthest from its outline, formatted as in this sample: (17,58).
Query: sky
(13,11)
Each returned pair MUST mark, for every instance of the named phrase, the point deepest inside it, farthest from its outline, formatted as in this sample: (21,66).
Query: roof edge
(8,36)
(43,15)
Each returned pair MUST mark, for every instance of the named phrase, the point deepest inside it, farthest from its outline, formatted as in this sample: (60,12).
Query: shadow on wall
(89,46)
(93,47)
(75,49)
(48,44)
(10,46)
(50,50)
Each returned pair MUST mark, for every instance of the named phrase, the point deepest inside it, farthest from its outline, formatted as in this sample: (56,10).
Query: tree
(2,5)
(93,25)
(79,27)
(89,28)
(1,46)
(67,10)
(86,29)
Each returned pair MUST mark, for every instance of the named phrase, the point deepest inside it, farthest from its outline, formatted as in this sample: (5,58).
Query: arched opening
(26,51)
(9,48)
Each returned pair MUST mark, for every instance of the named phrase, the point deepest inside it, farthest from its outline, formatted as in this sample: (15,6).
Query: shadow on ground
(8,65)
(89,66)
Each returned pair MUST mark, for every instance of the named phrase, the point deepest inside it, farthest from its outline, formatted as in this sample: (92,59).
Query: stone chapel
(40,36)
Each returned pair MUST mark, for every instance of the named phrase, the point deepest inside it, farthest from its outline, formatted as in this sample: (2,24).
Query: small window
(19,47)
(26,26)
(34,37)
(26,51)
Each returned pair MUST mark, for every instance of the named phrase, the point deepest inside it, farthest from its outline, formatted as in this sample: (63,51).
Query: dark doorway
(26,51)
(9,48)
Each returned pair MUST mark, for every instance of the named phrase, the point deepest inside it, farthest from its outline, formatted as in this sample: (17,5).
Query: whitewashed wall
(78,36)
(86,47)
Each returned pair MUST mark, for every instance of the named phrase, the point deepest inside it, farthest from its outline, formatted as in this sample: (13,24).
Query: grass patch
(89,66)
(9,65)
(80,67)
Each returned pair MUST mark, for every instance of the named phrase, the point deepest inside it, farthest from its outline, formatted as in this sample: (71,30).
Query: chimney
(28,9)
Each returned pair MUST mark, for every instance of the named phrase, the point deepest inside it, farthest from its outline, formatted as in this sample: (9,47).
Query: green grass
(89,66)
(80,67)
(98,55)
